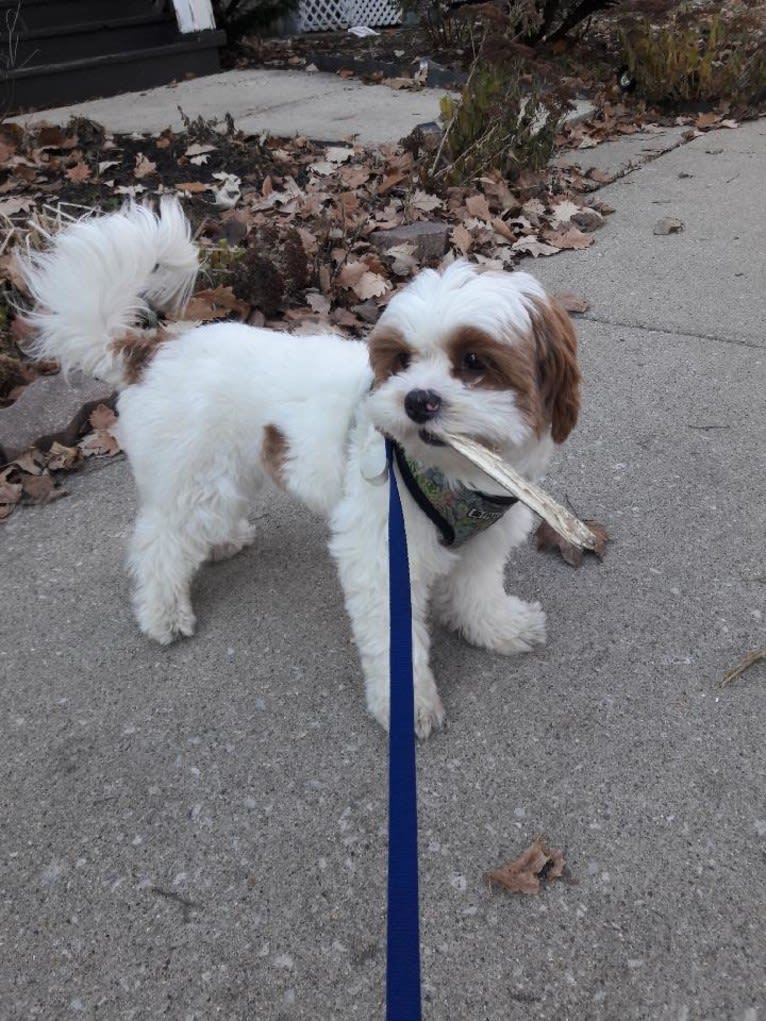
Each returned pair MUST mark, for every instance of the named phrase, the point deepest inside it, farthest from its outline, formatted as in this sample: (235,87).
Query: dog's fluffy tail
(100,277)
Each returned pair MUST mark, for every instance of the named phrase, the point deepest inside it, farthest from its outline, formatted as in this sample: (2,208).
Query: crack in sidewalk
(669,332)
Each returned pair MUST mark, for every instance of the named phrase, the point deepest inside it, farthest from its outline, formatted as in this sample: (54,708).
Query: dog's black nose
(421,405)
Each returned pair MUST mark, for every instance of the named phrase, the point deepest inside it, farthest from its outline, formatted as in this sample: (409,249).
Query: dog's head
(487,355)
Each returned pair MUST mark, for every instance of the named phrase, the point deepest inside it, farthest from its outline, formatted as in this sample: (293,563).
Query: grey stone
(45,406)
(428,237)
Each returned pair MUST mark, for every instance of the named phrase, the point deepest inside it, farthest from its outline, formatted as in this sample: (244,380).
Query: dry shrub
(691,59)
(504,120)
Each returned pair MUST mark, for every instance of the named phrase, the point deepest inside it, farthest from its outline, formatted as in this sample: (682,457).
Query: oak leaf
(524,874)
(61,458)
(462,238)
(571,302)
(477,205)
(102,417)
(534,247)
(425,202)
(370,285)
(549,539)
(79,172)
(144,167)
(562,212)
(571,238)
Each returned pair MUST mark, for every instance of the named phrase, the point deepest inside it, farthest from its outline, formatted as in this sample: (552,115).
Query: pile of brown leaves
(32,477)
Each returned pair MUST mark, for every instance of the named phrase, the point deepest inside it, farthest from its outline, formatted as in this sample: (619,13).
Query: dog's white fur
(220,407)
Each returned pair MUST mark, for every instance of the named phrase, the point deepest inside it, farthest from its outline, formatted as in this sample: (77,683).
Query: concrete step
(112,73)
(37,46)
(23,15)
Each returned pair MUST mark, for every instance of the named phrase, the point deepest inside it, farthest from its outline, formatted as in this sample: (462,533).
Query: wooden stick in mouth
(558,517)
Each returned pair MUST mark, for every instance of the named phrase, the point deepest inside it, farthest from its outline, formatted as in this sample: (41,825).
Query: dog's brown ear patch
(389,353)
(274,453)
(558,372)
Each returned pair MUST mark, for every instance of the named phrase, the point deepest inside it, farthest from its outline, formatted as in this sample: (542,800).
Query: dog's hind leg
(162,560)
(171,540)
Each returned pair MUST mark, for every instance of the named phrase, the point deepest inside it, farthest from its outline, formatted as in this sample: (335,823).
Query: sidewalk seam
(737,342)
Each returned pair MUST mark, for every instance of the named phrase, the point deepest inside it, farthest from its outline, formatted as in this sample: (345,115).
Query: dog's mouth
(431,439)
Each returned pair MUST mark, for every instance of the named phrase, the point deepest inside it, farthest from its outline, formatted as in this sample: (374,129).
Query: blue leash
(403,964)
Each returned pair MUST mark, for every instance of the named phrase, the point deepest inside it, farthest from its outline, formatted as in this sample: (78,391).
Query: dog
(220,408)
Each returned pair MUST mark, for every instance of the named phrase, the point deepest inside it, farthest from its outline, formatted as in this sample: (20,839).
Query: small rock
(368,311)
(428,238)
(588,219)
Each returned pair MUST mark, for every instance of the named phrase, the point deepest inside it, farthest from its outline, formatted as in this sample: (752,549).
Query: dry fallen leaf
(318,303)
(478,206)
(101,442)
(571,238)
(78,173)
(15,204)
(534,247)
(339,154)
(370,285)
(571,302)
(600,176)
(144,167)
(425,202)
(668,225)
(102,417)
(462,238)
(707,120)
(40,488)
(196,149)
(10,494)
(215,303)
(562,212)
(549,539)
(524,874)
(61,458)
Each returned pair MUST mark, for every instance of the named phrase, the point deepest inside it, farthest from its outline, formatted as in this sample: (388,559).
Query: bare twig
(744,663)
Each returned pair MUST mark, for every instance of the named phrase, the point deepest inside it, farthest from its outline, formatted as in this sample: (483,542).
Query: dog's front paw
(508,626)
(519,629)
(429,714)
(164,627)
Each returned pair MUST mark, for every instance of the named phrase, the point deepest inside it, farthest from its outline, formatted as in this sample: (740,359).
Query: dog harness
(457,511)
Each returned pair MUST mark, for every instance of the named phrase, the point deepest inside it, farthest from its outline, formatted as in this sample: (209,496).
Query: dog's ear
(558,372)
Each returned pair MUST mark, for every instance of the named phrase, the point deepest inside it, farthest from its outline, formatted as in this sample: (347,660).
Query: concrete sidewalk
(199,832)
(286,103)
(318,105)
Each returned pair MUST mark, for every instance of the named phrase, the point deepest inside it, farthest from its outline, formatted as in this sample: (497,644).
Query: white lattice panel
(319,15)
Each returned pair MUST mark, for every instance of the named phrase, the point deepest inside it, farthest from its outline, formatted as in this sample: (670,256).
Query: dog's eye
(402,361)
(472,363)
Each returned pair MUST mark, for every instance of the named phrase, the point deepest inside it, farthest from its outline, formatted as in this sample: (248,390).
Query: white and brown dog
(221,407)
